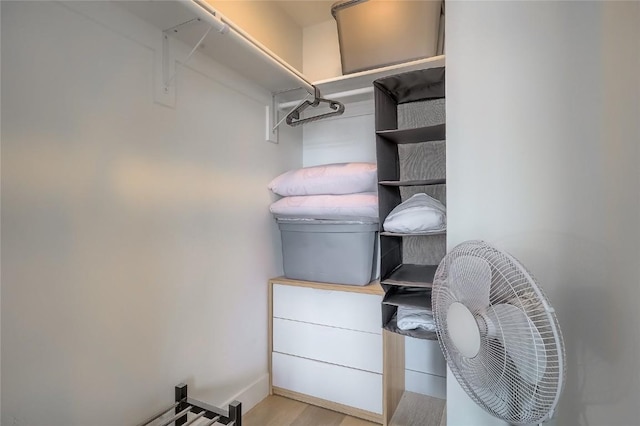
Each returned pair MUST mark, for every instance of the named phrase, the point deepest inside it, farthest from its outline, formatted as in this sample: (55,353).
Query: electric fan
(498,333)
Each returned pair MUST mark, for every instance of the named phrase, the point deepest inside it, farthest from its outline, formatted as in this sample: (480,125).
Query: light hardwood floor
(279,411)
(419,410)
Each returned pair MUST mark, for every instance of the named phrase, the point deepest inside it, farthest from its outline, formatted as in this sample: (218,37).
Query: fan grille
(518,373)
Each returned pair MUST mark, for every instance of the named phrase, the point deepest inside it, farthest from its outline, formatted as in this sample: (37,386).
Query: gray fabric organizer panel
(426,160)
(411,149)
(421,113)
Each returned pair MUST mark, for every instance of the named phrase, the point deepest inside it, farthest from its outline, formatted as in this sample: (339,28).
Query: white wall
(136,238)
(542,160)
(344,138)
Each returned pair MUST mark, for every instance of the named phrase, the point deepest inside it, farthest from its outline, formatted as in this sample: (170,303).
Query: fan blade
(521,340)
(470,282)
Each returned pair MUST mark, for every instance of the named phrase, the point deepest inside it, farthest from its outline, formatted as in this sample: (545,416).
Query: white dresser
(327,345)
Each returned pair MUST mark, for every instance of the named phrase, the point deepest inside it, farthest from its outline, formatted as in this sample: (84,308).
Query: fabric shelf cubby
(410,148)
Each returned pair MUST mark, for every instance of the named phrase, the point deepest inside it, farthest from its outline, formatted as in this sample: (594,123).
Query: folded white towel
(409,318)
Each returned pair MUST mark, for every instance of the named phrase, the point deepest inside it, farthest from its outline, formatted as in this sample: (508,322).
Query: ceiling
(307,12)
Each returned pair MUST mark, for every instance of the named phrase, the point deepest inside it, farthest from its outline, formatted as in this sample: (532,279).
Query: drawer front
(348,348)
(354,311)
(426,384)
(347,386)
(424,356)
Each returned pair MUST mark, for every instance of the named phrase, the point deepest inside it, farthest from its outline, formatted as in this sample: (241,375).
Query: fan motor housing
(463,329)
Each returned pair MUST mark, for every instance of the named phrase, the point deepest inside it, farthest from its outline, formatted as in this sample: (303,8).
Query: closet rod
(214,18)
(336,95)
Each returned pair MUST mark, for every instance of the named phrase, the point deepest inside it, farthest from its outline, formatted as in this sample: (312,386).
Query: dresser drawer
(340,346)
(425,356)
(353,311)
(426,384)
(347,386)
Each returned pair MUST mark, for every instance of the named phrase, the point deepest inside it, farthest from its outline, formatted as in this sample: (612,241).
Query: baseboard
(251,395)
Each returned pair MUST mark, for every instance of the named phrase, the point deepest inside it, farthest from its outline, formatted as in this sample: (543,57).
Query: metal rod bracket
(170,71)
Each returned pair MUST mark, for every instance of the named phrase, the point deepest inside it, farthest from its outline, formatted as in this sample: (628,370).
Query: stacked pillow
(343,191)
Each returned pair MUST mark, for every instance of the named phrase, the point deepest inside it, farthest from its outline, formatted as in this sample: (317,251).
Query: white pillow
(332,207)
(343,178)
(419,213)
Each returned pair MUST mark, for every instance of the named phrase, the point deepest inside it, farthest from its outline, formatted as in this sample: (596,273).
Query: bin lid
(325,221)
(343,4)
(319,225)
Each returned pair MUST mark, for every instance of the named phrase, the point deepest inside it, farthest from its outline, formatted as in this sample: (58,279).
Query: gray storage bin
(329,251)
(374,33)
